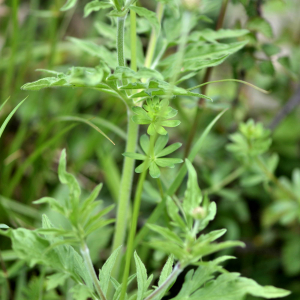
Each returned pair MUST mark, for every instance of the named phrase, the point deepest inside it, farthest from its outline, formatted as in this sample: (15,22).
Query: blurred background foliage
(252,205)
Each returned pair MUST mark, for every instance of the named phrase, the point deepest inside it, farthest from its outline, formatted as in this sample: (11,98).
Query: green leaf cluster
(203,284)
(251,141)
(183,240)
(156,113)
(154,160)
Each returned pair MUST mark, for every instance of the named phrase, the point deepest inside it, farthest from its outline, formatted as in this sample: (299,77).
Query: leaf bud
(199,213)
(191,4)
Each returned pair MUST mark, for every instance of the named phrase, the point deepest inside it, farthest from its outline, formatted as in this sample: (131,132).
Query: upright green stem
(89,265)
(133,40)
(130,243)
(125,189)
(135,216)
(132,135)
(120,40)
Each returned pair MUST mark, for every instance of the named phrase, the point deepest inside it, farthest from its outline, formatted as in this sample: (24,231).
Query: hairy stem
(120,40)
(132,233)
(117,5)
(130,243)
(89,265)
(170,279)
(133,40)
(132,135)
(125,190)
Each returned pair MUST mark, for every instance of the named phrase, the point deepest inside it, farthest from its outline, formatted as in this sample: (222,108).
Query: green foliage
(154,160)
(251,140)
(183,242)
(156,113)
(202,284)
(171,52)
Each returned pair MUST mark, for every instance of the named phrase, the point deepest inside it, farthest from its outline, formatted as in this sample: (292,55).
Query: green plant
(157,80)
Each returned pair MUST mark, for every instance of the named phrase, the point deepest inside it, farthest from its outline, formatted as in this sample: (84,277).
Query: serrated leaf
(141,274)
(149,15)
(102,52)
(54,204)
(68,5)
(105,272)
(53,281)
(166,271)
(166,233)
(261,25)
(193,195)
(213,35)
(67,178)
(96,5)
(81,292)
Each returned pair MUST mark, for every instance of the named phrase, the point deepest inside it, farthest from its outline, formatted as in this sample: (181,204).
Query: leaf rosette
(156,113)
(156,159)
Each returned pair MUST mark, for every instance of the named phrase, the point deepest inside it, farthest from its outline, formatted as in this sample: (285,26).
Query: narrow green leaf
(68,5)
(193,195)
(96,5)
(170,149)
(149,15)
(145,143)
(105,272)
(136,156)
(141,273)
(166,233)
(67,178)
(154,170)
(160,144)
(9,116)
(166,271)
(168,162)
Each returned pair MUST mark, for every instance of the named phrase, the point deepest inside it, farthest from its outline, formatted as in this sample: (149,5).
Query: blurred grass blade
(78,119)
(230,80)
(9,116)
(29,161)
